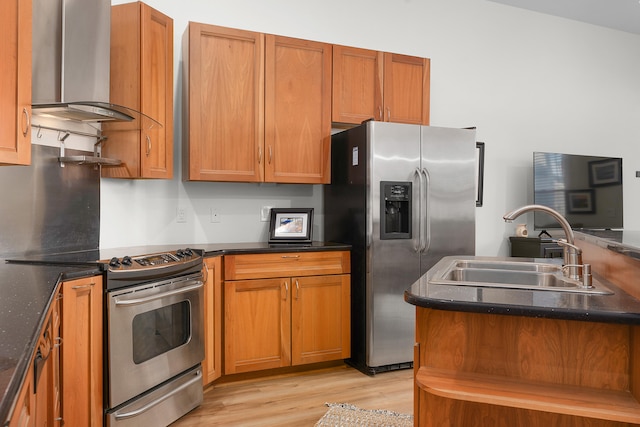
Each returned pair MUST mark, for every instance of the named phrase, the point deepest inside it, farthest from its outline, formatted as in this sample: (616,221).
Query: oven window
(158,331)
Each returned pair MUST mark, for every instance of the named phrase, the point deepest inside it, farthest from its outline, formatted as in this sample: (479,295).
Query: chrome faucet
(572,255)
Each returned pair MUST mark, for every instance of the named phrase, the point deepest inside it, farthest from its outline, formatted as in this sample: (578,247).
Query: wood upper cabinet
(223,108)
(142,79)
(357,84)
(406,89)
(257,107)
(284,309)
(81,354)
(382,86)
(212,365)
(297,111)
(15,82)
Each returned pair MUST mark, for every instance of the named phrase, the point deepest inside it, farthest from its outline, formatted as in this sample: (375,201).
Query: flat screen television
(586,190)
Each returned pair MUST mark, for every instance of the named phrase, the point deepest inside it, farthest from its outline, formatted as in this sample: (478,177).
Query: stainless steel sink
(508,273)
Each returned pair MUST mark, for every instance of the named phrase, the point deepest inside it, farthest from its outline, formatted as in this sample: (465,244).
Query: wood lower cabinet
(81,352)
(286,309)
(39,400)
(383,86)
(142,79)
(212,365)
(15,82)
(24,413)
(257,108)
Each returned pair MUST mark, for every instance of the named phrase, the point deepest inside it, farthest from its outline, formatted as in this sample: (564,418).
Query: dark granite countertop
(26,292)
(617,308)
(27,285)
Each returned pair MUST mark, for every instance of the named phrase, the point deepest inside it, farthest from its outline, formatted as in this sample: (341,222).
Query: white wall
(527,81)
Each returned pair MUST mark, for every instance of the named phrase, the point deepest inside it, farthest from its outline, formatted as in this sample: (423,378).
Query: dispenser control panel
(395,210)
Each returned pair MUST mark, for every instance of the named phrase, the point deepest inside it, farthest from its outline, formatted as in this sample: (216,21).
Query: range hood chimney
(71,55)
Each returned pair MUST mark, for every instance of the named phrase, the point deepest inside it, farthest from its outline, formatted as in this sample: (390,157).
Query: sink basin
(509,274)
(508,265)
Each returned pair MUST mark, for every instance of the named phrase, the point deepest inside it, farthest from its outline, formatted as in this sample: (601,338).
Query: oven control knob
(188,252)
(126,260)
(115,262)
(180,253)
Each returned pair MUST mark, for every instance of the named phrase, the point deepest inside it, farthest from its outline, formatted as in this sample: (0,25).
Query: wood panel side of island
(489,369)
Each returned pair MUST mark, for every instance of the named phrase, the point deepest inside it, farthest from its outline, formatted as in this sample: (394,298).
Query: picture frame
(479,172)
(580,201)
(605,172)
(291,225)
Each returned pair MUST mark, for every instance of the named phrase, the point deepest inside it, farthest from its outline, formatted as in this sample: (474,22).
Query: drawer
(286,264)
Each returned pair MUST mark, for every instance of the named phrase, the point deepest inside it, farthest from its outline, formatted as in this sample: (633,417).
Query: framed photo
(605,172)
(290,225)
(581,201)
(479,172)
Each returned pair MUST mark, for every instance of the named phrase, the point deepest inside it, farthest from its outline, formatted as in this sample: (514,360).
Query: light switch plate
(265,212)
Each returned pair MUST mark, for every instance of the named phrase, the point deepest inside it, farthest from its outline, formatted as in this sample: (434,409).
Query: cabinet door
(141,78)
(24,411)
(212,365)
(357,85)
(81,353)
(224,115)
(406,89)
(56,321)
(15,82)
(257,325)
(321,318)
(44,367)
(156,92)
(297,111)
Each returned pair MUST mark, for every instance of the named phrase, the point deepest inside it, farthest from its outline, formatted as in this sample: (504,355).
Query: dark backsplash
(45,208)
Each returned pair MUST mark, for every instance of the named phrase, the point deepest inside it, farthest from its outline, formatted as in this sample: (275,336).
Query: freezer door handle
(425,231)
(418,239)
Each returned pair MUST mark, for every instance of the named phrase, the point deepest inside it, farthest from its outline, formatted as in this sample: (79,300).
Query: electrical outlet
(215,215)
(181,215)
(265,212)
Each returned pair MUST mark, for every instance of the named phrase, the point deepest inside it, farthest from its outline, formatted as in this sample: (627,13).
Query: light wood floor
(299,399)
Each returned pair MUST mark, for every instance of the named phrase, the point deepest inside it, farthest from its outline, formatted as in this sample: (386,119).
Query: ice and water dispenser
(395,210)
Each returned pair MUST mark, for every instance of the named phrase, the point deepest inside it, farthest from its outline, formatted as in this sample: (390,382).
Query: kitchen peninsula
(530,358)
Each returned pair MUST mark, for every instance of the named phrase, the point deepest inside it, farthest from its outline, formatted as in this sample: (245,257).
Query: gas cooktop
(132,257)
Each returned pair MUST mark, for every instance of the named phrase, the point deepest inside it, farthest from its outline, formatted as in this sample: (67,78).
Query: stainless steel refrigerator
(403,196)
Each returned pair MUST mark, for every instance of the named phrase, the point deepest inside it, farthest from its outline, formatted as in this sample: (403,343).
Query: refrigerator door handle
(426,230)
(418,244)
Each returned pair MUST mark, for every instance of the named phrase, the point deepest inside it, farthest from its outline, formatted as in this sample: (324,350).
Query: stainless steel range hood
(71,55)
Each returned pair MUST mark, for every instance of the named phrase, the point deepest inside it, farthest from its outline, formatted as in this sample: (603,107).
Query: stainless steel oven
(155,338)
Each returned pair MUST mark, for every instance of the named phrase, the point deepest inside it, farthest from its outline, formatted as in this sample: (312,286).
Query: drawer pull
(296,257)
(83,286)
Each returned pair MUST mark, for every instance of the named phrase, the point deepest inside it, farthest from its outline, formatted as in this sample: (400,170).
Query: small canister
(521,230)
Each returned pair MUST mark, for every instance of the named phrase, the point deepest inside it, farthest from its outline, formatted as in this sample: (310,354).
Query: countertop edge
(517,310)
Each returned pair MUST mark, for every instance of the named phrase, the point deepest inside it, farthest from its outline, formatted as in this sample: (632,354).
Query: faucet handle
(563,242)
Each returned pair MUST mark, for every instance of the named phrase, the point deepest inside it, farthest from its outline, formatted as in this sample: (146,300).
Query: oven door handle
(159,400)
(182,290)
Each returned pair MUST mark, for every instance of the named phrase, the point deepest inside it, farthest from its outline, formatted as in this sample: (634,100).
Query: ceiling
(623,15)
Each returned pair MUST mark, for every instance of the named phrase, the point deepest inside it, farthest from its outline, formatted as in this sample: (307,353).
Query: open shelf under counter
(611,405)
